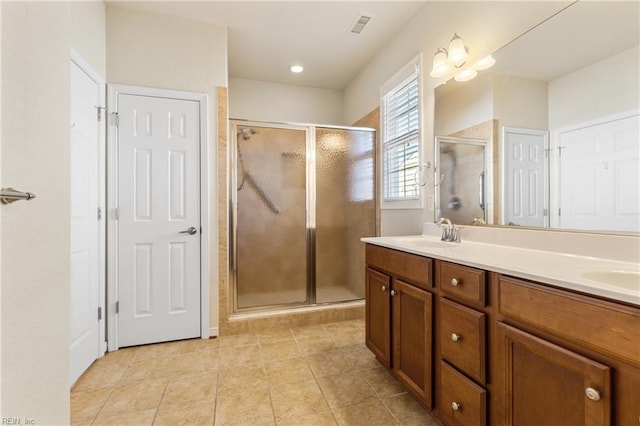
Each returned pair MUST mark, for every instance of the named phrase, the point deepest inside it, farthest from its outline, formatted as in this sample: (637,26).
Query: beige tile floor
(315,375)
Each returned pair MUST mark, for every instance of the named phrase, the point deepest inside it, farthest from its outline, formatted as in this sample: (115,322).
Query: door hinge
(559,212)
(115,119)
(116,214)
(118,307)
(99,213)
(545,212)
(100,109)
(99,313)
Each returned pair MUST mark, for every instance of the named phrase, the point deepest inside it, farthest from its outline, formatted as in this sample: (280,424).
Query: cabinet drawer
(597,324)
(463,283)
(462,402)
(410,267)
(462,338)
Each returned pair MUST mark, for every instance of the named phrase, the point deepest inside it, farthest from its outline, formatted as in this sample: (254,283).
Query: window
(401,138)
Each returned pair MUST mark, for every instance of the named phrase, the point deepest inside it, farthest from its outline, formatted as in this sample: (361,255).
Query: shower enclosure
(301,199)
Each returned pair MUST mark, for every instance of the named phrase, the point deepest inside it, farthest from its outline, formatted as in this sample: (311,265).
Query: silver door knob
(454,282)
(191,231)
(455,406)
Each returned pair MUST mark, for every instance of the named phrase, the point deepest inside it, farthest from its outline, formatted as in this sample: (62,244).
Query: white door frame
(77,59)
(503,165)
(112,193)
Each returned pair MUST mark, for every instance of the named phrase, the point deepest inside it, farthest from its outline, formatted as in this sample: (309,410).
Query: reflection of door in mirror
(461,192)
(599,174)
(525,187)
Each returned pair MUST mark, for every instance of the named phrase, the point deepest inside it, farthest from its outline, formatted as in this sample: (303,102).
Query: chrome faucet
(449,231)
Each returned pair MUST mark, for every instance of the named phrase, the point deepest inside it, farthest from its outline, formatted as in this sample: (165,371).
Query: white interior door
(85,226)
(158,219)
(525,192)
(600,175)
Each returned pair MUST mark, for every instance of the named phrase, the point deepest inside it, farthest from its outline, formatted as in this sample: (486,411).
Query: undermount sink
(618,278)
(428,243)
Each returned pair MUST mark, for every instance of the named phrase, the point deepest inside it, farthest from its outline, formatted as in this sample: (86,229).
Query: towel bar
(9,195)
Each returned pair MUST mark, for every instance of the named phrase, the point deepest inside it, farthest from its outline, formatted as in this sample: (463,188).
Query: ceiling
(266,37)
(598,30)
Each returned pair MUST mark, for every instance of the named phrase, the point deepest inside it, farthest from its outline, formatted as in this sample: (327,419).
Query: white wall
(146,49)
(34,273)
(469,104)
(520,102)
(484,26)
(604,88)
(264,101)
(88,33)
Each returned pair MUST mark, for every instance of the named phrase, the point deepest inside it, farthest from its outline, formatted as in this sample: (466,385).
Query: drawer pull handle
(384,288)
(455,337)
(393,293)
(456,406)
(592,394)
(454,282)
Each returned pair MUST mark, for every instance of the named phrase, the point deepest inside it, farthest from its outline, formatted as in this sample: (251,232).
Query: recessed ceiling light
(296,69)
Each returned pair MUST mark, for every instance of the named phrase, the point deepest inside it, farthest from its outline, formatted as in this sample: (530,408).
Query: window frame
(402,77)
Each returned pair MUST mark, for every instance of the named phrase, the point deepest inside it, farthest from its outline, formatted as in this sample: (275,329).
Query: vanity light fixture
(466,75)
(484,63)
(445,61)
(458,52)
(296,69)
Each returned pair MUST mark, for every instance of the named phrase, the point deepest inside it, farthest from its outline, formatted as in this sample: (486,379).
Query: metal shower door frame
(310,211)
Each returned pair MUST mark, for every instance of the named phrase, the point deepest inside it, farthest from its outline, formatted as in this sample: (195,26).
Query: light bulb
(484,63)
(457,52)
(466,75)
(296,69)
(440,66)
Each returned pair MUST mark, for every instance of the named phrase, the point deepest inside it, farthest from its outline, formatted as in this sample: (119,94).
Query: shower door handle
(191,231)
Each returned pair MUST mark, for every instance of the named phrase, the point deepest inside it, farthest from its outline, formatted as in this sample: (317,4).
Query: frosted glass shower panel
(345,211)
(271,243)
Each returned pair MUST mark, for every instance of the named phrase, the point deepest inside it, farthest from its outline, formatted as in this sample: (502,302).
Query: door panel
(271,191)
(85,231)
(159,201)
(378,315)
(600,176)
(532,365)
(525,171)
(412,335)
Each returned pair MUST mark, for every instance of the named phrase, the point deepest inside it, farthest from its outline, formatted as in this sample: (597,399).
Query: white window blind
(401,140)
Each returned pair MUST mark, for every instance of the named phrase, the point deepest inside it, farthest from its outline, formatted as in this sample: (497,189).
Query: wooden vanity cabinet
(562,358)
(461,388)
(378,315)
(502,350)
(545,384)
(399,317)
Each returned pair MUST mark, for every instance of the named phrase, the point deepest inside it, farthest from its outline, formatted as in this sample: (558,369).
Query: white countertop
(617,280)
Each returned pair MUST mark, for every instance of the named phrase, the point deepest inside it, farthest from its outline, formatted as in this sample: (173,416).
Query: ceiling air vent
(360,23)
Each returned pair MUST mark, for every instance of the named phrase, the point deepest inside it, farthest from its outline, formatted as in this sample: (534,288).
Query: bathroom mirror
(560,112)
(461,193)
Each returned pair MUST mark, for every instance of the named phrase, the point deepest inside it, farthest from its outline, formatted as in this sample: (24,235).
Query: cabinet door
(378,315)
(412,336)
(545,384)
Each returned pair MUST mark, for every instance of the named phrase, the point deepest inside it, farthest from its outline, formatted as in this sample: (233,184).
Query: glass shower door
(271,223)
(345,211)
